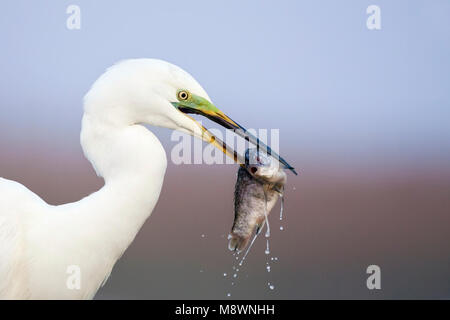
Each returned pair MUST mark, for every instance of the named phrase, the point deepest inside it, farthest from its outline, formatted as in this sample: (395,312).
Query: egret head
(158,93)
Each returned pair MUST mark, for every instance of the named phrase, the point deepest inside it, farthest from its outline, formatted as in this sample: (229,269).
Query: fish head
(261,166)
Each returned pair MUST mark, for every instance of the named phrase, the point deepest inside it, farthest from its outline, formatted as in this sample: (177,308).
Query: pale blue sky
(310,68)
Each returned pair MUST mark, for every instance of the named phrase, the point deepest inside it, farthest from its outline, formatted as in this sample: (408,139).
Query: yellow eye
(183,95)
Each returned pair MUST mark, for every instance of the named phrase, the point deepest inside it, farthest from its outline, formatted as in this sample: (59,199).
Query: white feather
(38,242)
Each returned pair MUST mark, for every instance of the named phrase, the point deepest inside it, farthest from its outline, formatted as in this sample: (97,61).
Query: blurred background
(364,116)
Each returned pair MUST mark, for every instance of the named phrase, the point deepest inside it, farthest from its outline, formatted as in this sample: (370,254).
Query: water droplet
(228,294)
(229,236)
(271,286)
(267,247)
(203,235)
(268,268)
(224,274)
(281,228)
(235,275)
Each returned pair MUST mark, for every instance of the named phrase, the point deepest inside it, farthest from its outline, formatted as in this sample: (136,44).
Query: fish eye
(183,95)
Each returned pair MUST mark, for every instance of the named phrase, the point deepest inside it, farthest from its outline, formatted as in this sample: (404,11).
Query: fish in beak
(189,103)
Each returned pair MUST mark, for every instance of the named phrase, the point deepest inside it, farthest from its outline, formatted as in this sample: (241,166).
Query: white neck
(132,162)
(94,232)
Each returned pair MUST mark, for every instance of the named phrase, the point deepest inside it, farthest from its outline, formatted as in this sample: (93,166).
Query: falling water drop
(224,274)
(281,207)
(281,228)
(268,268)
(267,247)
(265,215)
(228,294)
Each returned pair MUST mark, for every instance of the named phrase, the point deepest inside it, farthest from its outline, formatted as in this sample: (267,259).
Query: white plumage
(38,242)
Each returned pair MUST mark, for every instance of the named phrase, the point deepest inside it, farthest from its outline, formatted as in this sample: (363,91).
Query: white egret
(43,247)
